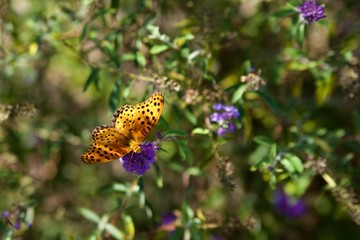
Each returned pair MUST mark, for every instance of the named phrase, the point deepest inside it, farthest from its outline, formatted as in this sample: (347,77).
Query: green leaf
(114,231)
(300,33)
(200,131)
(273,152)
(193,55)
(174,133)
(287,165)
(141,192)
(177,234)
(159,178)
(238,93)
(246,68)
(84,32)
(195,235)
(182,40)
(6,233)
(158,49)
(263,140)
(128,225)
(30,214)
(149,209)
(271,101)
(89,215)
(128,57)
(119,187)
(114,98)
(296,162)
(176,167)
(140,59)
(190,116)
(186,210)
(184,151)
(163,123)
(103,12)
(194,171)
(103,221)
(272,181)
(93,78)
(288,10)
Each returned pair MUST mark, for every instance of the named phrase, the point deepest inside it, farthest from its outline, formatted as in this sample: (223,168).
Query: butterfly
(129,127)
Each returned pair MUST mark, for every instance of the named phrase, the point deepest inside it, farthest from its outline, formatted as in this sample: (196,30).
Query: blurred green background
(289,171)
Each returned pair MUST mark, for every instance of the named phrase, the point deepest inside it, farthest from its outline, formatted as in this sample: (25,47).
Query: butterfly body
(129,127)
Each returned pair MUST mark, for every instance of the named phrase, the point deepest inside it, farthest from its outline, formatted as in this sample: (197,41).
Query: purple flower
(17,225)
(216,117)
(217,106)
(311,12)
(159,135)
(6,214)
(288,206)
(19,213)
(221,131)
(139,163)
(168,223)
(168,218)
(231,127)
(224,116)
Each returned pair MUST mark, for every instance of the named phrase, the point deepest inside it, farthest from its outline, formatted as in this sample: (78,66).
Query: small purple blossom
(221,131)
(139,163)
(231,127)
(215,117)
(17,225)
(223,116)
(6,214)
(168,223)
(311,12)
(217,106)
(168,218)
(159,135)
(288,206)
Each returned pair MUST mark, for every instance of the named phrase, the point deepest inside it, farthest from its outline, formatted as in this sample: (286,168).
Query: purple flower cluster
(140,162)
(311,12)
(288,206)
(223,116)
(18,213)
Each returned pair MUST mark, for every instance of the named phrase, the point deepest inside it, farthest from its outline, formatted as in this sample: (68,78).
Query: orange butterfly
(129,127)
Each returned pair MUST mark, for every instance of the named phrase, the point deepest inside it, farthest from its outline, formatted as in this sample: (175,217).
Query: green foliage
(65,66)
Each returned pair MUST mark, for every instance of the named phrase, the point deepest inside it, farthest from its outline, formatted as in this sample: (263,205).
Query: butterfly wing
(108,144)
(147,114)
(139,120)
(124,118)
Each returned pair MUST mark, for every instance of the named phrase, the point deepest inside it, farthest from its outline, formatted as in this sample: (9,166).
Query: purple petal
(216,117)
(311,12)
(289,207)
(17,225)
(139,163)
(6,214)
(217,106)
(231,127)
(221,131)
(168,218)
